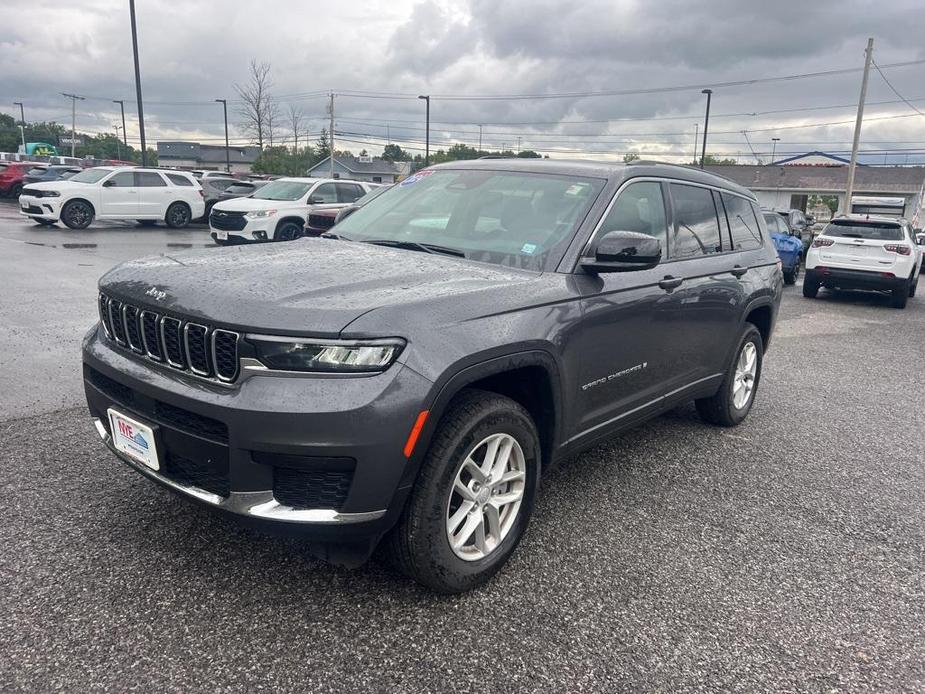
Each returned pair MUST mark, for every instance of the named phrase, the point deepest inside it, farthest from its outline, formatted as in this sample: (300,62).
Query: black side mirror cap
(624,251)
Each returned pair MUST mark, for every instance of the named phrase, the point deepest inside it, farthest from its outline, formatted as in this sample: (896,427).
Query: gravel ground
(784,555)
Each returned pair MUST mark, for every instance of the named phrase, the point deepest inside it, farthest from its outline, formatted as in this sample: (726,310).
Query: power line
(893,89)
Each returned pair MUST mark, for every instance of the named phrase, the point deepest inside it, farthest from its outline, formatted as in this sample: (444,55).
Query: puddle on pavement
(78,245)
(36,243)
(179,245)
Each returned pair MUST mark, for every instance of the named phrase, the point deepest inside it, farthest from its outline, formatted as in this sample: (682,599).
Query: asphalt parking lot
(785,555)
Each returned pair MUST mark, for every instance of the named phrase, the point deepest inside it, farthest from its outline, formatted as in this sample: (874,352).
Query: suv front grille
(191,347)
(227,221)
(320,221)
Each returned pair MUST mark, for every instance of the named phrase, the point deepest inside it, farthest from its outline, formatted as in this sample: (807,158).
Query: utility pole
(696,141)
(849,191)
(480,137)
(426,129)
(73,98)
(118,144)
(331,138)
(774,141)
(22,124)
(141,110)
(518,144)
(706,124)
(224,104)
(122,107)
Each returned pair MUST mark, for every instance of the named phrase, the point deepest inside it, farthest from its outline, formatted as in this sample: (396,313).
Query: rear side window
(696,226)
(179,180)
(324,193)
(882,231)
(149,179)
(743,224)
(123,179)
(640,208)
(348,192)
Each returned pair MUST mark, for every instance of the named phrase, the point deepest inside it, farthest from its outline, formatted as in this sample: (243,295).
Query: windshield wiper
(415,246)
(332,235)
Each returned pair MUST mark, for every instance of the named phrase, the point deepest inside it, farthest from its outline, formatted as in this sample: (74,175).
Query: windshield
(90,175)
(371,195)
(239,189)
(874,231)
(282,190)
(36,171)
(509,218)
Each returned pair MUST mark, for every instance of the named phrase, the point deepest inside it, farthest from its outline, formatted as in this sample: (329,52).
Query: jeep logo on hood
(158,294)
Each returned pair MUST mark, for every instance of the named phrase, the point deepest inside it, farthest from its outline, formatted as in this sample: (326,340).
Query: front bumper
(843,278)
(318,455)
(255,230)
(40,208)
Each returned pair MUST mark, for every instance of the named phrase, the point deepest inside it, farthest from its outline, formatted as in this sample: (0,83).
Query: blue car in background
(789,246)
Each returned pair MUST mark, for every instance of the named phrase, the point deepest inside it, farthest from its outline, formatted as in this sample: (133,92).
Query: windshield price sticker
(414,178)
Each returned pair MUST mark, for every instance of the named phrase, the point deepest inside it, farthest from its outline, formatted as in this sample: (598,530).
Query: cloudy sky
(377,56)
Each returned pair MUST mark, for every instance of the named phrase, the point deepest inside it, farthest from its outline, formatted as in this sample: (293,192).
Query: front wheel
(734,399)
(178,215)
(474,495)
(288,231)
(77,214)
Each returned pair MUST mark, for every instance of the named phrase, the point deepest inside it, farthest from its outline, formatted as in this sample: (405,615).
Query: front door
(119,196)
(627,346)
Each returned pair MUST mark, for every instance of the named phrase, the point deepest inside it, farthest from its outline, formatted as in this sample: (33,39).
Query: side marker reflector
(415,433)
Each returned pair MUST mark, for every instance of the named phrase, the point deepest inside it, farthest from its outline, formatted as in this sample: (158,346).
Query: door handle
(738,270)
(669,282)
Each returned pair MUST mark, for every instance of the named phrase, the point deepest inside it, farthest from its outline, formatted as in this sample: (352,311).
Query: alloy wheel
(744,382)
(488,489)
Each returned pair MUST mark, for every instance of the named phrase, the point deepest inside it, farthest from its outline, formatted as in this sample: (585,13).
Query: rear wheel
(913,284)
(288,231)
(473,497)
(178,215)
(791,276)
(901,295)
(734,399)
(16,190)
(810,288)
(77,214)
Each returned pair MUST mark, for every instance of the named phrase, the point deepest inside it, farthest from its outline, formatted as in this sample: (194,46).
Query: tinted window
(696,229)
(640,208)
(179,180)
(324,193)
(149,179)
(876,231)
(284,190)
(348,192)
(124,179)
(743,225)
(240,189)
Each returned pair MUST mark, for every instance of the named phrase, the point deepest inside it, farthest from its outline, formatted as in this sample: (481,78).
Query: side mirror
(624,251)
(109,184)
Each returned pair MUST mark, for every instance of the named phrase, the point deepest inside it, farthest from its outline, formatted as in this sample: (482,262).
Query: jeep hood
(308,287)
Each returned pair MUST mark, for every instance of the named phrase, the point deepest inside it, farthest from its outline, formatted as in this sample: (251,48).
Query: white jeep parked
(115,192)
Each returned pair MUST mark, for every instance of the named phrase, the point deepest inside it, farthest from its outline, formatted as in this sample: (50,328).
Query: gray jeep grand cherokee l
(406,379)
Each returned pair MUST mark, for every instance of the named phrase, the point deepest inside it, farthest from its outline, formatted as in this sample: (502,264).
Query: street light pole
(696,141)
(118,145)
(774,141)
(22,124)
(706,124)
(73,98)
(224,104)
(141,110)
(122,108)
(480,137)
(426,129)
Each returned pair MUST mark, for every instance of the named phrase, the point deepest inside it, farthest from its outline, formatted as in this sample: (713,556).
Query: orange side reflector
(415,432)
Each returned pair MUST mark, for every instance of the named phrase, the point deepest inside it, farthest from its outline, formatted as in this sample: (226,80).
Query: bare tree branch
(296,120)
(255,100)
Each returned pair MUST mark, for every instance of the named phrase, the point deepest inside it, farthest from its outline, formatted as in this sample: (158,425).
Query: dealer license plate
(133,438)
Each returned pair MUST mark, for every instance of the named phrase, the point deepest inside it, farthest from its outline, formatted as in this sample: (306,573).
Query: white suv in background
(115,192)
(278,210)
(855,252)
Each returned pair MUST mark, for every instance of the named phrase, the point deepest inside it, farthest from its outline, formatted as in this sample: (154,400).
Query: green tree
(323,145)
(529,154)
(282,161)
(710,160)
(630,156)
(395,153)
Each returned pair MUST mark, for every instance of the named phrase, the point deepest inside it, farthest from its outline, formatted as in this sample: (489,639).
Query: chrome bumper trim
(260,504)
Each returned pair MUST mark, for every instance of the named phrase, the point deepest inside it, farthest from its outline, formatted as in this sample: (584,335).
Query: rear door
(323,194)
(119,196)
(154,195)
(862,245)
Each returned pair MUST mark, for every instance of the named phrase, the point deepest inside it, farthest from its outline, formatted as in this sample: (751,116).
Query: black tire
(146,222)
(419,546)
(913,284)
(178,215)
(16,190)
(900,296)
(720,408)
(289,231)
(810,289)
(77,214)
(791,277)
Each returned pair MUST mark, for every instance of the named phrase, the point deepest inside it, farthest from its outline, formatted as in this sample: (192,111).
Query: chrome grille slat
(197,349)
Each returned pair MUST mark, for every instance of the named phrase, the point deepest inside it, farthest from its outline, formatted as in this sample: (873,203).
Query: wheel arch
(79,199)
(285,220)
(760,313)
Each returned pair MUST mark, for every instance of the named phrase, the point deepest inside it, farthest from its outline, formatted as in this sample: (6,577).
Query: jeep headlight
(258,214)
(337,356)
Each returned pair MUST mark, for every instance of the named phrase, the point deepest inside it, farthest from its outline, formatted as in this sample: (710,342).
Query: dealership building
(192,155)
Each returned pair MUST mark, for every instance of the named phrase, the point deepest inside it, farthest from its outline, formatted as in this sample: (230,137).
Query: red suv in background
(11,176)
